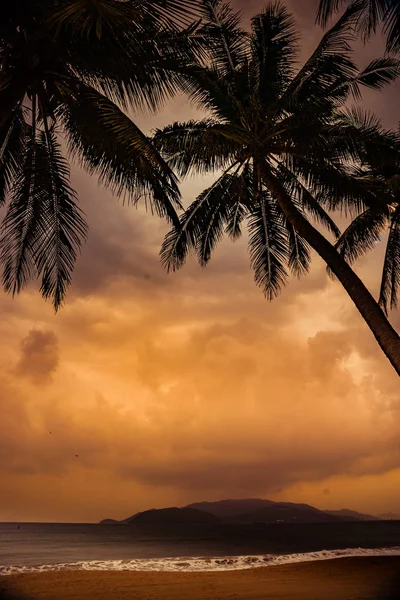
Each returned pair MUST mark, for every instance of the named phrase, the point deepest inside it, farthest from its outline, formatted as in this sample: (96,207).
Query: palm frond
(299,256)
(93,19)
(329,66)
(63,227)
(241,202)
(274,44)
(297,189)
(100,17)
(372,14)
(338,188)
(299,253)
(392,25)
(326,8)
(12,142)
(390,284)
(21,224)
(268,246)
(202,224)
(196,146)
(142,74)
(108,143)
(364,136)
(179,12)
(226,39)
(362,234)
(214,203)
(379,73)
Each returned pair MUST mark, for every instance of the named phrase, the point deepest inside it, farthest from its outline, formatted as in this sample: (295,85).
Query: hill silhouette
(286,512)
(352,514)
(230,508)
(173,515)
(247,511)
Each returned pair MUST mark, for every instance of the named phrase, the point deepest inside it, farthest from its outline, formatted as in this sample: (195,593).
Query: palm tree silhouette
(72,69)
(285,143)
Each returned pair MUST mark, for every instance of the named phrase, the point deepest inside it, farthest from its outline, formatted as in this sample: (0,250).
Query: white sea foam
(200,563)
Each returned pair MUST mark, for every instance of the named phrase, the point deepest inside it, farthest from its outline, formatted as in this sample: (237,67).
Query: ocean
(57,546)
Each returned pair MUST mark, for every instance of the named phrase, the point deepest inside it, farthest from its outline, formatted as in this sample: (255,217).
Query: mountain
(229,508)
(286,512)
(352,515)
(173,515)
(247,510)
(109,522)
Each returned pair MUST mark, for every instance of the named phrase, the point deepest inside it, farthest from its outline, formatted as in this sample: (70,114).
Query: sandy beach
(341,579)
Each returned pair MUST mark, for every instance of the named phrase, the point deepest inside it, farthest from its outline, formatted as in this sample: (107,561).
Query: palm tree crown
(286,143)
(265,121)
(72,68)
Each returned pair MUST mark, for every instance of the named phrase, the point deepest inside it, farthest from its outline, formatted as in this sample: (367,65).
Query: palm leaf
(379,73)
(299,253)
(20,227)
(392,25)
(307,201)
(365,137)
(268,246)
(241,201)
(361,235)
(202,224)
(326,8)
(101,16)
(179,12)
(213,93)
(12,142)
(108,143)
(196,146)
(227,41)
(390,284)
(63,227)
(328,66)
(373,13)
(274,43)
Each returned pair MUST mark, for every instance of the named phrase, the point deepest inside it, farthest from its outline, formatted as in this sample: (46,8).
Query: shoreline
(195,564)
(366,578)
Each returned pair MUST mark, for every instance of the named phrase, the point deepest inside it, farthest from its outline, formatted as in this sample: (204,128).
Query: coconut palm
(72,68)
(373,13)
(286,145)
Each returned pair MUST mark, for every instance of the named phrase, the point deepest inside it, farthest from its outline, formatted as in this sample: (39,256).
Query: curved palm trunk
(373,315)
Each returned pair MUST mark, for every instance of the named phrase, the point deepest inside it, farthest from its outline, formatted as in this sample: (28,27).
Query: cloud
(39,356)
(176,407)
(189,386)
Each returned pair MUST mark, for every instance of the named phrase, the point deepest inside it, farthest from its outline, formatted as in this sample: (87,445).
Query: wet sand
(374,578)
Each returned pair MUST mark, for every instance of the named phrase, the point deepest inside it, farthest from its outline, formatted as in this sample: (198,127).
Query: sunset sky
(190,386)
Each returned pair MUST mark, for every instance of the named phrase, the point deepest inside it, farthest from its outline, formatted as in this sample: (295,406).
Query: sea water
(39,547)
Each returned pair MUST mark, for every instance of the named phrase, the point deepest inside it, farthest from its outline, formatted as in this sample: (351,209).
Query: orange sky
(190,386)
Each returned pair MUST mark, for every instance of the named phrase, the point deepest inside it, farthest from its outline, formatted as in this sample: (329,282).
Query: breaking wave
(193,564)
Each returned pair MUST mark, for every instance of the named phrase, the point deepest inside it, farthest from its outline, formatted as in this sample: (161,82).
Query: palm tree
(372,14)
(286,145)
(72,68)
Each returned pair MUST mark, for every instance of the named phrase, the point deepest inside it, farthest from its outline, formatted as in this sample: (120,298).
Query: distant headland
(244,511)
